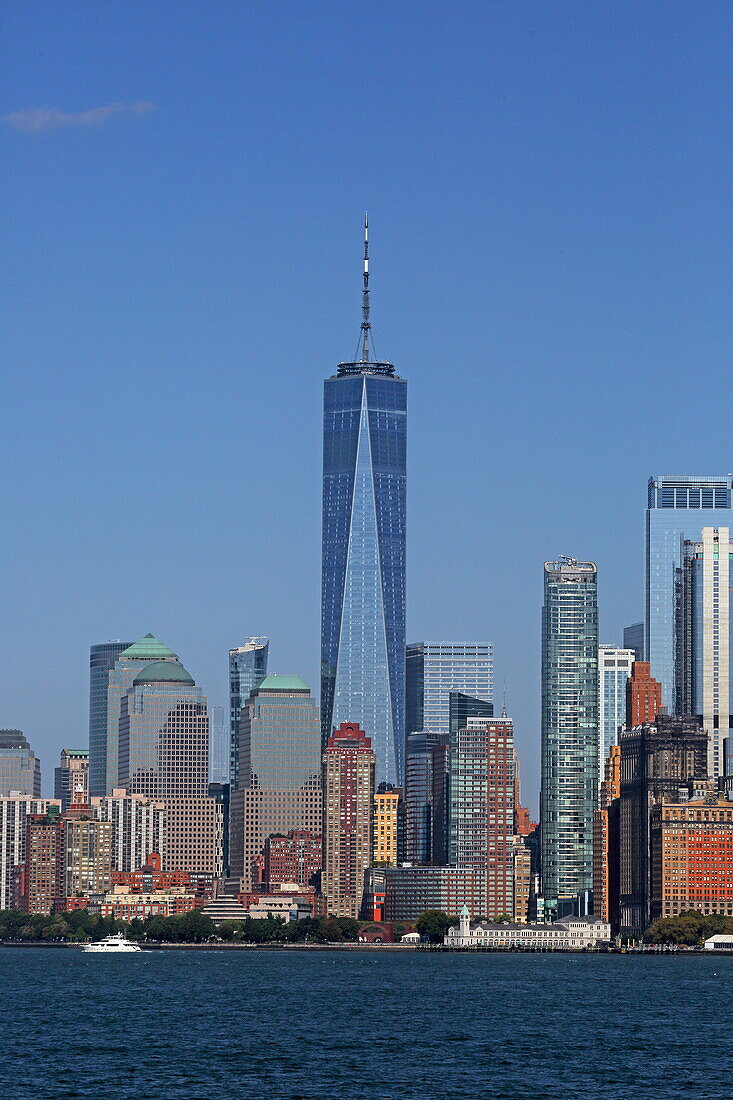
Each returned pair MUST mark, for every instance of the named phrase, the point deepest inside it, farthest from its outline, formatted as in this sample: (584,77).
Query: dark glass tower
(247,670)
(363,565)
(101,659)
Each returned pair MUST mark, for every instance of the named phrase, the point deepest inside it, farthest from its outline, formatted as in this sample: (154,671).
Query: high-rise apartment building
(247,670)
(85,856)
(678,508)
(569,787)
(279,770)
(348,797)
(704,685)
(292,858)
(692,856)
(643,695)
(20,769)
(614,669)
(139,828)
(388,825)
(14,809)
(72,777)
(482,785)
(606,840)
(363,563)
(41,862)
(656,760)
(101,661)
(149,650)
(634,639)
(434,670)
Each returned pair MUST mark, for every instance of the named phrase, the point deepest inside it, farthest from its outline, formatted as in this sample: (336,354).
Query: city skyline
(573,271)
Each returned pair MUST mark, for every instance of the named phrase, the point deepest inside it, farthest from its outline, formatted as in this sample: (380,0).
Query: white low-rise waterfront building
(568,934)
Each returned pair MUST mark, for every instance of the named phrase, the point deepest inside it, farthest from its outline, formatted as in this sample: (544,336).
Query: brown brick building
(692,856)
(348,798)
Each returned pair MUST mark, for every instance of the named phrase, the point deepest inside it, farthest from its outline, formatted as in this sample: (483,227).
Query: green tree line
(689,929)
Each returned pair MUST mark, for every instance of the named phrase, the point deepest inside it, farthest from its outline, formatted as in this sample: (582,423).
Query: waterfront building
(363,557)
(656,760)
(388,825)
(410,891)
(634,639)
(131,661)
(704,685)
(643,696)
(482,787)
(139,828)
(279,771)
(678,508)
(84,855)
(419,794)
(606,841)
(568,934)
(151,877)
(292,858)
(569,785)
(247,670)
(102,660)
(434,670)
(14,809)
(128,905)
(20,769)
(692,856)
(348,798)
(39,882)
(522,867)
(72,776)
(614,669)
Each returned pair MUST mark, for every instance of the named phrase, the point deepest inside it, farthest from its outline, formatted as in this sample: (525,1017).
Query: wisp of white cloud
(35,120)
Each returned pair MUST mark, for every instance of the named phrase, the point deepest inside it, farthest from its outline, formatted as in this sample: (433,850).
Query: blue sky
(549,193)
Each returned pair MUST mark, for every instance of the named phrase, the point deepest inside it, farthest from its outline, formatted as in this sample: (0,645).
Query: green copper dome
(148,648)
(283,683)
(164,672)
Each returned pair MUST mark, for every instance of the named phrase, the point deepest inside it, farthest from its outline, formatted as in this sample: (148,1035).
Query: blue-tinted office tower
(678,509)
(363,565)
(102,659)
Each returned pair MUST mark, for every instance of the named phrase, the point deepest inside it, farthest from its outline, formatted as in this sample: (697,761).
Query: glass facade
(434,669)
(363,564)
(247,670)
(678,509)
(101,660)
(704,686)
(419,794)
(614,669)
(634,639)
(20,770)
(570,742)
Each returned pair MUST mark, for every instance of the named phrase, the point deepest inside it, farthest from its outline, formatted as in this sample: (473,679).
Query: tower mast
(365,322)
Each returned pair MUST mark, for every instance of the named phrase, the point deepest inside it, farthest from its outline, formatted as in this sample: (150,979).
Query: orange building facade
(605,840)
(643,695)
(692,857)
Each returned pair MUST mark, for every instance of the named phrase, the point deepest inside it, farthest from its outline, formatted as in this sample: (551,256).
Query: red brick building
(692,857)
(643,695)
(292,858)
(348,797)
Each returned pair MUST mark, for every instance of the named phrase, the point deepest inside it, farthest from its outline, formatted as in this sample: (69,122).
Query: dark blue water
(214,1026)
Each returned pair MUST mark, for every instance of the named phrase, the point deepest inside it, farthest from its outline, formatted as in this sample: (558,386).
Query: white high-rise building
(703,652)
(434,669)
(14,808)
(614,669)
(139,828)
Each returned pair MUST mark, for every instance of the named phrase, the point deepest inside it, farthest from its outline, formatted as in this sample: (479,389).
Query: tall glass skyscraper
(434,670)
(569,789)
(363,563)
(102,659)
(247,670)
(705,641)
(678,509)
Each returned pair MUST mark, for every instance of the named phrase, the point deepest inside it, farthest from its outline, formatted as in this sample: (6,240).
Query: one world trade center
(363,565)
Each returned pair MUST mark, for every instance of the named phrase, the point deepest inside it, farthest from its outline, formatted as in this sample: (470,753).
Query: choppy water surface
(214,1026)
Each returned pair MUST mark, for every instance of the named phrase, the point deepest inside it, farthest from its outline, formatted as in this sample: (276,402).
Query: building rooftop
(164,672)
(148,648)
(283,683)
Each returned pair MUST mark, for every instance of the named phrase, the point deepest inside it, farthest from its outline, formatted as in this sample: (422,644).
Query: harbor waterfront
(228,1025)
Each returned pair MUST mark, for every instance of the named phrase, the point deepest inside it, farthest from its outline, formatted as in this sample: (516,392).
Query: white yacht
(112,943)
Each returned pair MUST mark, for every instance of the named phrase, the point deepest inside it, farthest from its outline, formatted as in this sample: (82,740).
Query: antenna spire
(503,702)
(365,322)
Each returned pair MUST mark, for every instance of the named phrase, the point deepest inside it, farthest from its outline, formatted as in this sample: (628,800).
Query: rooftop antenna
(365,322)
(503,702)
